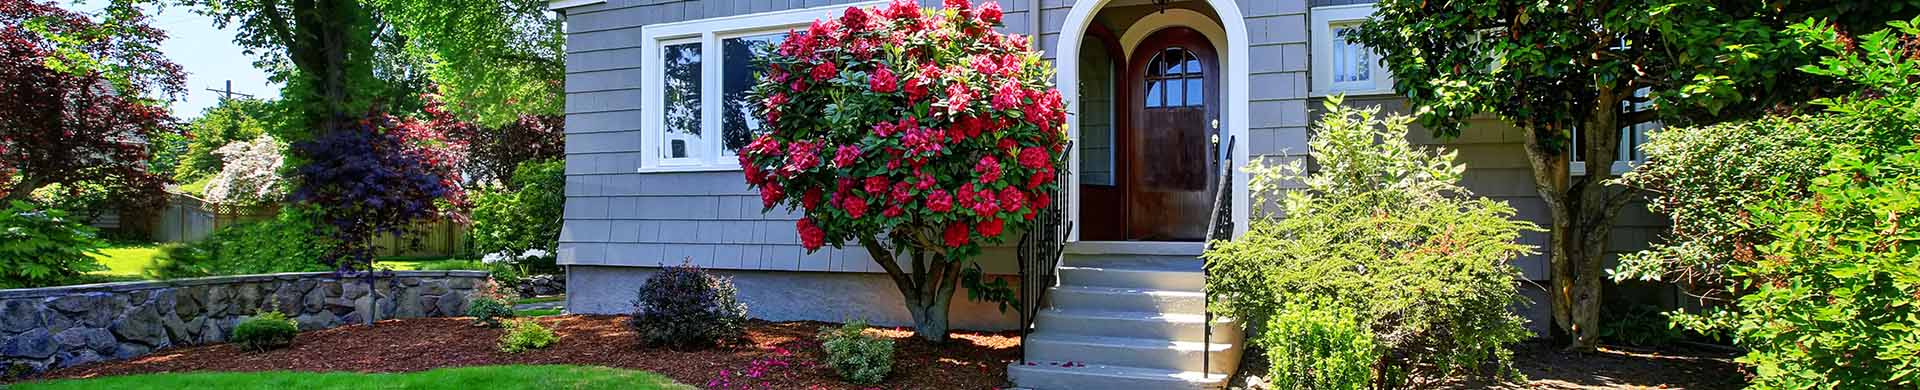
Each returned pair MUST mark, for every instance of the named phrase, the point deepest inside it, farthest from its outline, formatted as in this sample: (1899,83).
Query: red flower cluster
(948,129)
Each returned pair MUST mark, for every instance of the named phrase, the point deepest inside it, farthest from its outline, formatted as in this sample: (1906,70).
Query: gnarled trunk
(1582,213)
(928,289)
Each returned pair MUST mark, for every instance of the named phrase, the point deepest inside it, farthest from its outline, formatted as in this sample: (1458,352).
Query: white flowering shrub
(251,174)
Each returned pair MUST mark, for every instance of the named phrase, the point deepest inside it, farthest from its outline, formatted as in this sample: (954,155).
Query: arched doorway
(1172,163)
(1163,164)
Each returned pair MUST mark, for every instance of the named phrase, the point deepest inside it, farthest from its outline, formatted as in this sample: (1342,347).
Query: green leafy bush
(287,243)
(858,357)
(1319,346)
(525,335)
(514,221)
(265,331)
(1815,254)
(42,247)
(489,306)
(1385,230)
(684,307)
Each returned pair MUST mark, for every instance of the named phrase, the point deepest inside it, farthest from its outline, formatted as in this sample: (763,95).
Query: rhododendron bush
(923,135)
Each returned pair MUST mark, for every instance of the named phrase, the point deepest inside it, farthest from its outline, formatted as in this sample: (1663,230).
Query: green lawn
(429,264)
(131,259)
(545,299)
(482,377)
(538,312)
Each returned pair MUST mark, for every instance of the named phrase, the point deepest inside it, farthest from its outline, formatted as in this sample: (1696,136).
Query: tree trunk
(1582,213)
(928,290)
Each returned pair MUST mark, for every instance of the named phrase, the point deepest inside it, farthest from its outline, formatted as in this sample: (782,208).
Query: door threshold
(1168,248)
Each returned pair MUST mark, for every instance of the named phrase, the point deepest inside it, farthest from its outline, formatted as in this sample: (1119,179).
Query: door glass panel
(1153,93)
(1195,91)
(1175,91)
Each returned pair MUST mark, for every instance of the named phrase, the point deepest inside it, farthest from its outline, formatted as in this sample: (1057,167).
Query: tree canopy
(79,97)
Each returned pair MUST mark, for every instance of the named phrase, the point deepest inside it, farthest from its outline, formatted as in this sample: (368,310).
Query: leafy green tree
(1552,67)
(493,61)
(233,120)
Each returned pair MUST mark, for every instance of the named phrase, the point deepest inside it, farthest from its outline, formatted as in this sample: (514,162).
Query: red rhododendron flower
(990,13)
(771,194)
(854,206)
(956,235)
(939,201)
(988,169)
(902,193)
(990,228)
(958,5)
(845,156)
(1012,199)
(884,81)
(1008,97)
(811,236)
(903,9)
(811,199)
(893,211)
(1034,158)
(854,18)
(958,95)
(824,71)
(876,185)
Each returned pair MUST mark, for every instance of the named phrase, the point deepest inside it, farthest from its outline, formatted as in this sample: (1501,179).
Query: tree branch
(277,23)
(885,258)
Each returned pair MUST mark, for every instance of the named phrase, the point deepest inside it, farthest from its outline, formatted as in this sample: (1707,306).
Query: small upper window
(1175,78)
(1632,137)
(1340,63)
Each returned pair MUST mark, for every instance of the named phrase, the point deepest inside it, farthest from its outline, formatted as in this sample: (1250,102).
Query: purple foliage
(364,180)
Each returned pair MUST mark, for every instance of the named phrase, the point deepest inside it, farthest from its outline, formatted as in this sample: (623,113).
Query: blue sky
(208,54)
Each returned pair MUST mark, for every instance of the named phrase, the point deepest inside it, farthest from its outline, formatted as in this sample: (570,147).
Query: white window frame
(712,154)
(1322,21)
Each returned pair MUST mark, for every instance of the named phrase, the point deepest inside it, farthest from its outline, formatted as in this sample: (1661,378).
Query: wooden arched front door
(1171,162)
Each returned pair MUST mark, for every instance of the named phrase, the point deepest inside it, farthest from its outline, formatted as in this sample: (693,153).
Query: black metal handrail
(1220,228)
(1039,254)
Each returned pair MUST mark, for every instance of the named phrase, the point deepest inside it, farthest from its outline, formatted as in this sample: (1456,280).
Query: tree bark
(927,291)
(1582,213)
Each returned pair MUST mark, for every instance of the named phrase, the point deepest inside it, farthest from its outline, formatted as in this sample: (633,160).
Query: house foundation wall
(787,296)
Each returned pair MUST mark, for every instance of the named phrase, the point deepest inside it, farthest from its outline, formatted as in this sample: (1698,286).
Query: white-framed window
(1341,65)
(695,79)
(1631,138)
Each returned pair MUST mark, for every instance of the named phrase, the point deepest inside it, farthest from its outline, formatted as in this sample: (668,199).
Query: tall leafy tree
(1565,73)
(233,120)
(494,62)
(79,98)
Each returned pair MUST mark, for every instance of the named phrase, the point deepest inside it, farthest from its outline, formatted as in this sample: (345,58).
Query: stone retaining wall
(55,327)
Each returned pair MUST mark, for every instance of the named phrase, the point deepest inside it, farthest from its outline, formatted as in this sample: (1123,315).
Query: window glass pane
(1175,91)
(1351,61)
(1196,92)
(738,74)
(681,64)
(1153,93)
(1193,64)
(1172,58)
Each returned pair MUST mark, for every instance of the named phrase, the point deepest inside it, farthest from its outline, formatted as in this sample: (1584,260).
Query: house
(1186,77)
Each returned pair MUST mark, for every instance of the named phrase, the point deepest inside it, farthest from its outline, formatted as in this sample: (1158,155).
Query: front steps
(1128,315)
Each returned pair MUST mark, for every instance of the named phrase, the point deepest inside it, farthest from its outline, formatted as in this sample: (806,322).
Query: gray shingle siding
(615,216)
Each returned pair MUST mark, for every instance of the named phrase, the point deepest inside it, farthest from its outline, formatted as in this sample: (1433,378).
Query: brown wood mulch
(776,355)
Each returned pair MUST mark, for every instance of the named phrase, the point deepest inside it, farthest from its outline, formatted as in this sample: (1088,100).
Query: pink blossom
(988,168)
(990,12)
(939,201)
(845,156)
(1008,97)
(884,81)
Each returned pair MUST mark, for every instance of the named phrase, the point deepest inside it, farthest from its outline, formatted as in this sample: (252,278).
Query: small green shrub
(515,220)
(44,247)
(684,307)
(1385,230)
(265,331)
(858,357)
(489,306)
(1319,346)
(287,243)
(525,335)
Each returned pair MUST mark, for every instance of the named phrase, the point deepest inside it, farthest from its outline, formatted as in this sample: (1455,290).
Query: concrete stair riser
(1131,353)
(1118,299)
(1160,262)
(1043,376)
(1132,278)
(1175,327)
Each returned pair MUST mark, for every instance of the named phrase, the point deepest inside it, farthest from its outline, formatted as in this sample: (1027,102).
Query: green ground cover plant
(858,357)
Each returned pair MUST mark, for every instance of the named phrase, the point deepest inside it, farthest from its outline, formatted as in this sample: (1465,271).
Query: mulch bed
(776,356)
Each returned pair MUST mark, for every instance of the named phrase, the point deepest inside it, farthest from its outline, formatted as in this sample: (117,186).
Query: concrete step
(1181,248)
(1141,278)
(1131,324)
(1131,352)
(1127,299)
(1166,262)
(1056,375)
